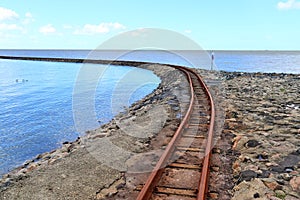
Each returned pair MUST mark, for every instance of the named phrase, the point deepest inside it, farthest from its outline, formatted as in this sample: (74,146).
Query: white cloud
(289,4)
(117,25)
(28,15)
(28,18)
(6,14)
(9,27)
(90,29)
(188,31)
(12,25)
(48,29)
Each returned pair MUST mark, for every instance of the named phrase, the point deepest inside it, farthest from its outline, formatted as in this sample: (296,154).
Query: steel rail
(203,185)
(154,177)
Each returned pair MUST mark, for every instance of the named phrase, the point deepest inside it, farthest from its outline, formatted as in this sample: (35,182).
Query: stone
(251,167)
(252,143)
(32,167)
(216,169)
(288,197)
(236,168)
(264,174)
(278,169)
(250,190)
(269,164)
(286,177)
(295,183)
(239,142)
(247,175)
(256,195)
(213,195)
(272,184)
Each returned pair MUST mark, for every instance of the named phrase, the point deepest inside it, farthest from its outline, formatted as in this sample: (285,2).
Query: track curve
(193,138)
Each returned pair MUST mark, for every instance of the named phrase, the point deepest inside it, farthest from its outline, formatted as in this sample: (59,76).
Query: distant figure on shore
(212,60)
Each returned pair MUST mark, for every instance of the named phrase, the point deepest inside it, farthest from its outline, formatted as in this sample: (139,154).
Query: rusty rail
(154,177)
(203,185)
(156,173)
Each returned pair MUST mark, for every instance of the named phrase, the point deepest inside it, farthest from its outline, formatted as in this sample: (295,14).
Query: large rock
(295,183)
(254,189)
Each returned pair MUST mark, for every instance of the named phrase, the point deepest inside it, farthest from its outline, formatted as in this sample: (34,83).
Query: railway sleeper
(176,191)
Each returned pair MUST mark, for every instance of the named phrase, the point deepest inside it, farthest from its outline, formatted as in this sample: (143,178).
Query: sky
(213,24)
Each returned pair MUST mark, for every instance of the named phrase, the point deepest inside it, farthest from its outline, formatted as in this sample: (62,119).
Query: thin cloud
(9,27)
(7,14)
(28,18)
(288,5)
(91,29)
(11,21)
(48,29)
(28,15)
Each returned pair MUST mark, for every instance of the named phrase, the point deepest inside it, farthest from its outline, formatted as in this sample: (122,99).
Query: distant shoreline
(208,50)
(132,63)
(76,60)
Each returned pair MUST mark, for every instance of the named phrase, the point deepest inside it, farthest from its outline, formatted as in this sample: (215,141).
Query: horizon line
(76,49)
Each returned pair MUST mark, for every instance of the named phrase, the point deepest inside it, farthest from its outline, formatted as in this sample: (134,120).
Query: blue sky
(223,25)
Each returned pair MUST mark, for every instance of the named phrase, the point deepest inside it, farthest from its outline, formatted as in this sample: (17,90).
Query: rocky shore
(256,153)
(263,113)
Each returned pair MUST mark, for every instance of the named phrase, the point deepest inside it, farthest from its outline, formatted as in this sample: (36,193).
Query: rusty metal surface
(156,173)
(155,182)
(203,185)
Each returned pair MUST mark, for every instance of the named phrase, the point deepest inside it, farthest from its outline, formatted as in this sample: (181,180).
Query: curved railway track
(183,169)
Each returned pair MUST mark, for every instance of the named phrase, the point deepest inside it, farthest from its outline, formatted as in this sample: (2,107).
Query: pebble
(272,184)
(247,175)
(252,143)
(295,183)
(213,195)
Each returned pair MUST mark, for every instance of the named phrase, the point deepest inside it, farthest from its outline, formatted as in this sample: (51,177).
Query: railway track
(183,169)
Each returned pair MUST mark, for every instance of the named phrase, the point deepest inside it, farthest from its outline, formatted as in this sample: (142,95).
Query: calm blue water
(36,111)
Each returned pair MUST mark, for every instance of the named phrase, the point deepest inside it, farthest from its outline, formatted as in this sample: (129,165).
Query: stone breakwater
(263,112)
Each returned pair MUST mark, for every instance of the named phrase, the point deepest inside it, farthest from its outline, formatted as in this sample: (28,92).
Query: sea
(40,101)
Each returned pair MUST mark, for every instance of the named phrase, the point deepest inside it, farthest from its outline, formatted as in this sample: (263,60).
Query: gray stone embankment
(75,171)
(263,112)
